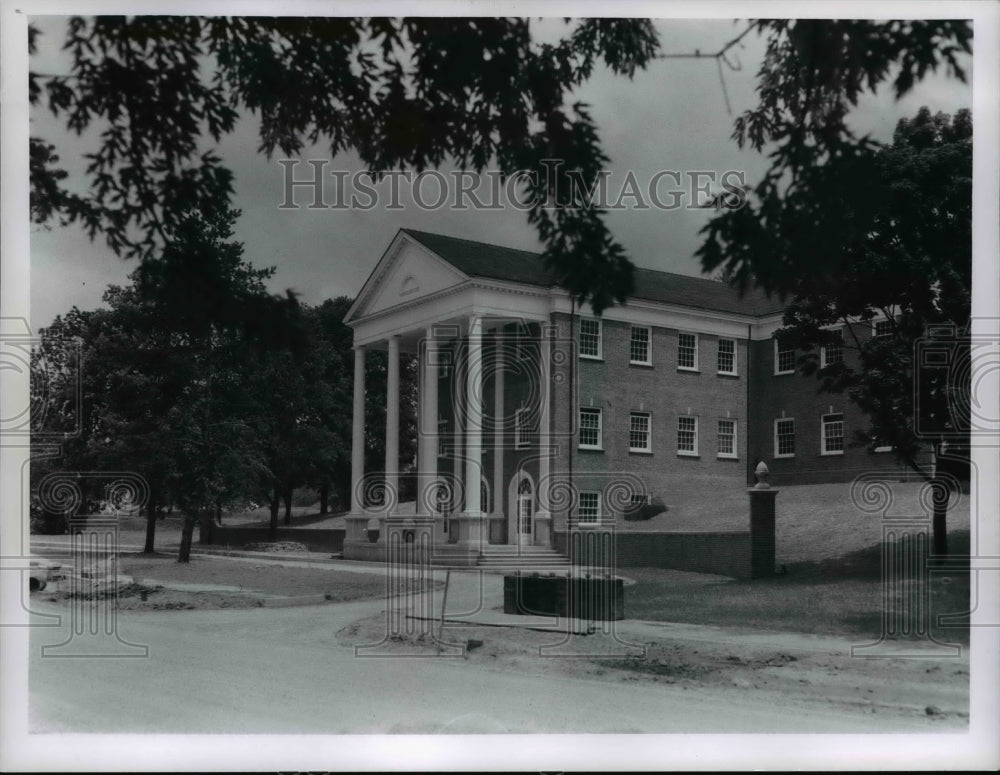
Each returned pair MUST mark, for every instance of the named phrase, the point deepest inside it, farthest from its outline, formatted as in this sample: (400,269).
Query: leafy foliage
(406,93)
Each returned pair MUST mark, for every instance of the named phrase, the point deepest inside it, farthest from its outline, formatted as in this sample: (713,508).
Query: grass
(840,595)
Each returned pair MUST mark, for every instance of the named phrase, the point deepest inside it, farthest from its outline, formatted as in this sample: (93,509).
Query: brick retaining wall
(727,554)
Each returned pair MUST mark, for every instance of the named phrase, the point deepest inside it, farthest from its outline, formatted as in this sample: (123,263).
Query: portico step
(512,556)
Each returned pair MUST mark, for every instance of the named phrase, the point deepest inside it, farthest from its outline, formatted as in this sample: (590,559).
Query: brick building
(563,420)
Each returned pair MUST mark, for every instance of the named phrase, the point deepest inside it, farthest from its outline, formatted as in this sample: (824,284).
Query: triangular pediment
(406,272)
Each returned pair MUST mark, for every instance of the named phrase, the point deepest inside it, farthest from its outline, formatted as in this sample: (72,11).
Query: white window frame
(521,440)
(876,321)
(594,519)
(734,455)
(824,362)
(600,427)
(735,370)
(779,420)
(777,360)
(695,337)
(823,437)
(649,432)
(600,339)
(685,452)
(649,345)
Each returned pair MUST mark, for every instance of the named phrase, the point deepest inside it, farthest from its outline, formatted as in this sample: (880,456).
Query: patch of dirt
(142,597)
(793,676)
(276,546)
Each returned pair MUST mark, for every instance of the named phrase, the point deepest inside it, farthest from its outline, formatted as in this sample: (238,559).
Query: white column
(474,417)
(499,429)
(545,420)
(392,421)
(358,431)
(543,534)
(429,418)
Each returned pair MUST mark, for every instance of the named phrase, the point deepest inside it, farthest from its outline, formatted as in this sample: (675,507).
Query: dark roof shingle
(495,262)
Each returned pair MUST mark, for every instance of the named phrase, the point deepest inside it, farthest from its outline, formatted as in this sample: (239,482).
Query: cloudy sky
(676,115)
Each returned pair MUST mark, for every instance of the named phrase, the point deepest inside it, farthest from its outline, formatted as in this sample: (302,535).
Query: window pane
(833,433)
(639,345)
(784,359)
(727,437)
(589,509)
(638,434)
(687,346)
(687,434)
(590,427)
(727,356)
(785,437)
(590,337)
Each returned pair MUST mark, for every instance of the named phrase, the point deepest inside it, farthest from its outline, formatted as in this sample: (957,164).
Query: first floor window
(520,429)
(687,351)
(589,509)
(784,358)
(590,338)
(727,356)
(638,432)
(638,350)
(687,435)
(590,428)
(833,434)
(727,438)
(784,438)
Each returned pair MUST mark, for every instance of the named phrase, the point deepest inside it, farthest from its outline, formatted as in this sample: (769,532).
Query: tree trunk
(275,501)
(939,494)
(324,498)
(187,533)
(218,512)
(288,503)
(150,527)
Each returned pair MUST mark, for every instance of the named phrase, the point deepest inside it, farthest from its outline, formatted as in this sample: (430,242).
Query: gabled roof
(495,262)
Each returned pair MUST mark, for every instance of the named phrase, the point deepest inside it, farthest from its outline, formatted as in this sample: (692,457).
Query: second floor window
(834,351)
(784,358)
(687,351)
(687,435)
(784,438)
(727,356)
(638,351)
(727,438)
(590,338)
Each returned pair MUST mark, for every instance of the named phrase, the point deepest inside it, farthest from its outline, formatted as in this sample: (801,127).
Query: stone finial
(762,473)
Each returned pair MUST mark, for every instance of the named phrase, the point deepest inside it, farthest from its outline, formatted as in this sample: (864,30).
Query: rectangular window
(727,438)
(784,359)
(590,428)
(521,429)
(833,352)
(589,510)
(784,438)
(883,327)
(687,351)
(638,348)
(590,338)
(727,356)
(687,435)
(833,434)
(638,432)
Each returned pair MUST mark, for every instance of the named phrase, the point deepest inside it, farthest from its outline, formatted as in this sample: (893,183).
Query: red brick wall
(618,388)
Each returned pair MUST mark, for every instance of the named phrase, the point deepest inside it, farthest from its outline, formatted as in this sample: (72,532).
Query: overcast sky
(673,116)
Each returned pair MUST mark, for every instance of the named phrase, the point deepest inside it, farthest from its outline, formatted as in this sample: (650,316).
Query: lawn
(840,595)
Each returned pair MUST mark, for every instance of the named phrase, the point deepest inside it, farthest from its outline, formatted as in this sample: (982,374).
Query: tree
(907,264)
(405,94)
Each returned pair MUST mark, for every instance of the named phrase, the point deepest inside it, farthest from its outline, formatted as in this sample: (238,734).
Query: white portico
(474,336)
